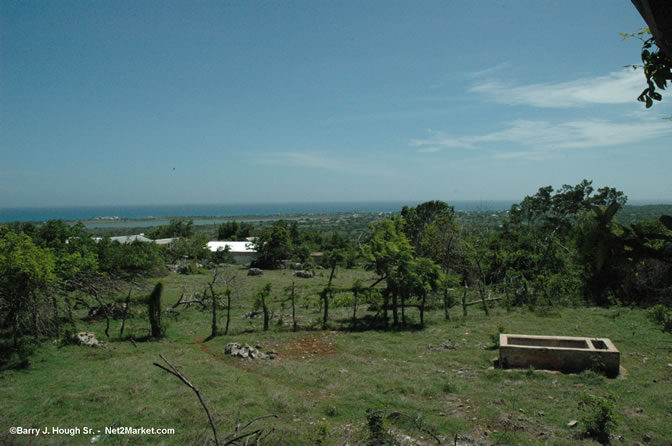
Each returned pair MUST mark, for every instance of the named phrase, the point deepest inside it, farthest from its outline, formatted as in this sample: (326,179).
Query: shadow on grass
(15,358)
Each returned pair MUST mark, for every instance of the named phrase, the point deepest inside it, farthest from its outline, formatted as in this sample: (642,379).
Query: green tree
(234,230)
(194,247)
(441,241)
(389,253)
(273,245)
(131,258)
(417,219)
(422,277)
(26,271)
(176,228)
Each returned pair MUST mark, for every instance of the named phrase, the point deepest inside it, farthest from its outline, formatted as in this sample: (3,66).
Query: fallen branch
(178,300)
(173,371)
(237,434)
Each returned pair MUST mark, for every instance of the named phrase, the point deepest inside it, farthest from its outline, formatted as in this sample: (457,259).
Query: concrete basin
(563,353)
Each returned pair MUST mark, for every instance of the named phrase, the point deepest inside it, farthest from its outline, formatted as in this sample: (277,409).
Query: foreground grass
(323,382)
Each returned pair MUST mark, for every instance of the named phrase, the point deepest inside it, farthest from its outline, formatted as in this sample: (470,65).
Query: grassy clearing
(324,381)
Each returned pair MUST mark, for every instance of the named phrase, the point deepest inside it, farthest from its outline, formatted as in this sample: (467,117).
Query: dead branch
(173,371)
(417,423)
(238,433)
(179,300)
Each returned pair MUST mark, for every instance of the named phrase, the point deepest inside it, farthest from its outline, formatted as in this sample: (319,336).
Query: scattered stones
(86,338)
(244,351)
(304,274)
(639,410)
(255,272)
(572,423)
(253,314)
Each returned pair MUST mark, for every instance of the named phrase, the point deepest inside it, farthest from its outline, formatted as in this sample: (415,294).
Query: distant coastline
(152,215)
(116,214)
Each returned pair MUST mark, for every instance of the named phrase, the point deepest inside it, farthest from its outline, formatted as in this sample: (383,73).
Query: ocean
(84,213)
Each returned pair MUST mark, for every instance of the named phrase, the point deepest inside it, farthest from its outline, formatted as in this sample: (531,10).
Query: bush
(662,316)
(598,417)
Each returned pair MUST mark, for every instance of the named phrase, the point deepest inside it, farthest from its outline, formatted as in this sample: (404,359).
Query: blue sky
(146,102)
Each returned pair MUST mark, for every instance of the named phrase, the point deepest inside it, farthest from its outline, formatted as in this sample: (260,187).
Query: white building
(243,252)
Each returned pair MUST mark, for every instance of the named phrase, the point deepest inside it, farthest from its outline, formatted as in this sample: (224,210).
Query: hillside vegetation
(385,337)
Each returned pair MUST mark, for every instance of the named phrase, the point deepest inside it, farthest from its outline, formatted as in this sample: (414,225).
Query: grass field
(324,381)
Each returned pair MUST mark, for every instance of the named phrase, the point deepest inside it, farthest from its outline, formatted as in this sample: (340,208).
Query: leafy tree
(135,258)
(234,230)
(227,231)
(273,245)
(176,228)
(389,254)
(194,247)
(534,250)
(441,242)
(656,52)
(422,278)
(223,255)
(417,220)
(26,271)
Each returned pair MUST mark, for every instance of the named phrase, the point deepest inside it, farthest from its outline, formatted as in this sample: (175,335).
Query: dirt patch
(248,366)
(309,345)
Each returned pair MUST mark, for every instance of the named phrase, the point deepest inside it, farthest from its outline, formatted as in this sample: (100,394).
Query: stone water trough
(562,353)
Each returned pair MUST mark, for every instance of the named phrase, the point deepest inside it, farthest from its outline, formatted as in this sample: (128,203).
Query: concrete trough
(562,353)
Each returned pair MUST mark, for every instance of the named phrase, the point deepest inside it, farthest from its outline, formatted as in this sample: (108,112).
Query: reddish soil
(309,345)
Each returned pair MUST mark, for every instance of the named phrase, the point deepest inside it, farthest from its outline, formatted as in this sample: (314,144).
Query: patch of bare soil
(309,345)
(248,366)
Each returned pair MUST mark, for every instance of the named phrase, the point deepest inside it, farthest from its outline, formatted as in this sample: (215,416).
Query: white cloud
(537,139)
(489,71)
(615,88)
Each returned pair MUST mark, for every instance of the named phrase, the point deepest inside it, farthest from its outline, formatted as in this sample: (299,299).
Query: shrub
(598,417)
(662,315)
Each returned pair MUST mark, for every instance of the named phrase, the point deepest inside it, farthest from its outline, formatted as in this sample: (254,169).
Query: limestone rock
(86,338)
(244,351)
(255,272)
(304,274)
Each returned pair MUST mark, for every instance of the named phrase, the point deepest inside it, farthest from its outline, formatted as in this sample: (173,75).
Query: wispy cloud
(614,88)
(537,139)
(437,141)
(489,71)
